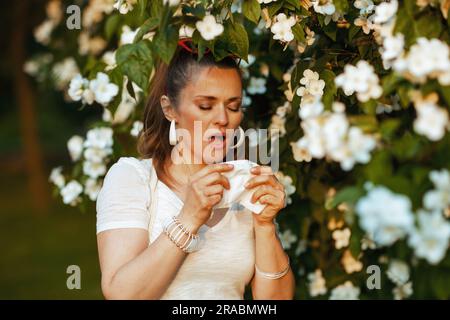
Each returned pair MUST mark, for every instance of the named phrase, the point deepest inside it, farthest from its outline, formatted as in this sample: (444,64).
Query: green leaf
(148,25)
(341,5)
(111,25)
(273,7)
(330,88)
(348,194)
(237,38)
(135,61)
(251,10)
(299,33)
(165,43)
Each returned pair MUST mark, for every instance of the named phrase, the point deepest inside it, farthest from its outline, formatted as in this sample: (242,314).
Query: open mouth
(217,140)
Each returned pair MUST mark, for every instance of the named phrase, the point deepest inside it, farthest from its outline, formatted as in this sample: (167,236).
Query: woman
(235,242)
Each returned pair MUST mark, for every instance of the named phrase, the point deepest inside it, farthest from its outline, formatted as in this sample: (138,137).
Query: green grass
(36,250)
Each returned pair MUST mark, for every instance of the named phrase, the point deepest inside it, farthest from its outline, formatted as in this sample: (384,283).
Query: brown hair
(170,80)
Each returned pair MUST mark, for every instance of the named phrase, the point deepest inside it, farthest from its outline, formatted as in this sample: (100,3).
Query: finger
(214,199)
(217,167)
(262,190)
(216,178)
(261,170)
(269,200)
(212,190)
(264,179)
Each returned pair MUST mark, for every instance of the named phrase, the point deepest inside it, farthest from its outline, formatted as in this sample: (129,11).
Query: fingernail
(246,184)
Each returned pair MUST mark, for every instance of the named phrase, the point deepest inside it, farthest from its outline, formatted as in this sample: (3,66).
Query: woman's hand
(205,190)
(269,191)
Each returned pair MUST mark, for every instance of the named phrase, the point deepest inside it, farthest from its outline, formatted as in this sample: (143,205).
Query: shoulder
(128,178)
(130,167)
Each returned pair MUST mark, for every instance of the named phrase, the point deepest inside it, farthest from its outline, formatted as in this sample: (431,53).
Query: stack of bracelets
(192,241)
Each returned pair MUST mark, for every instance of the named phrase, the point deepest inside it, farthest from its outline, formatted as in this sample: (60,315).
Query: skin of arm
(270,257)
(131,269)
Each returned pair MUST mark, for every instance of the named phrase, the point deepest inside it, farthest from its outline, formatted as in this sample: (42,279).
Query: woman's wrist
(264,226)
(187,221)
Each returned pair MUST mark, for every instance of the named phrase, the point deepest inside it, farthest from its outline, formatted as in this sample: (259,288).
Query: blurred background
(39,237)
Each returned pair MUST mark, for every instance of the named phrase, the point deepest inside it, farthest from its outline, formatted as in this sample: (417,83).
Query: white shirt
(219,270)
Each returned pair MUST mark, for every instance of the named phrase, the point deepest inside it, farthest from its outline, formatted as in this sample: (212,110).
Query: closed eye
(204,107)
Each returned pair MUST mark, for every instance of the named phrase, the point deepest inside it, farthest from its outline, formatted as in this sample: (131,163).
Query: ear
(167,108)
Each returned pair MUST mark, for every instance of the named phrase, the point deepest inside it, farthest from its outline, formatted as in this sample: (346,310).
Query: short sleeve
(124,198)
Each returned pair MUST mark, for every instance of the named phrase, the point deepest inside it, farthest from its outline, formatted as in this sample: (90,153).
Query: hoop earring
(241,138)
(172,133)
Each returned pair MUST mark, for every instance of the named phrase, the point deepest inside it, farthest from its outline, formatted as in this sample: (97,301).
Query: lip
(217,143)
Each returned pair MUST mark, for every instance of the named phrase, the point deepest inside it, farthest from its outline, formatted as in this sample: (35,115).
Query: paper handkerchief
(238,193)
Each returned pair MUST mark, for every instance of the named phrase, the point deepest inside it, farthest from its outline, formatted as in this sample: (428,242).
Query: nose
(221,118)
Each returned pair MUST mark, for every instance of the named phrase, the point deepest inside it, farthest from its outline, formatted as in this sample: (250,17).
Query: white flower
(439,198)
(385,11)
(43,31)
(287,182)
(70,192)
(56,177)
(257,86)
(209,28)
(92,188)
(393,47)
(97,155)
(427,57)
(104,91)
(317,284)
(126,106)
(282,28)
(403,291)
(360,79)
(365,6)
(300,150)
(127,35)
(79,90)
(77,86)
(93,169)
(398,272)
(185,31)
(312,84)
(356,149)
(431,239)
(64,71)
(109,57)
(325,7)
(431,120)
(341,238)
(124,6)
(101,138)
(287,238)
(384,215)
(90,45)
(349,263)
(310,108)
(75,147)
(266,1)
(137,127)
(346,291)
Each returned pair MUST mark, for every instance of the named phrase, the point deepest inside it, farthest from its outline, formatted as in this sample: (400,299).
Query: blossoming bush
(359,90)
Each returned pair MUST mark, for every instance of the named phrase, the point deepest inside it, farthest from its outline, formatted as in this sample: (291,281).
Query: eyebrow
(215,98)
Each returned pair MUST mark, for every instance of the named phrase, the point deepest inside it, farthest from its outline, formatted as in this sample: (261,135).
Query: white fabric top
(219,270)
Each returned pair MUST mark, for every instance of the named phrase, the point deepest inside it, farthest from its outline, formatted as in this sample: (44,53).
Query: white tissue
(238,193)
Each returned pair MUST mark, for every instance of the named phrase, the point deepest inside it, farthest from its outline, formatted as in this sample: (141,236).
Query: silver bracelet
(274,275)
(192,240)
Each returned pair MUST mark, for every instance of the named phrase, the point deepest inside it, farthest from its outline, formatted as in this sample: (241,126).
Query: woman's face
(210,110)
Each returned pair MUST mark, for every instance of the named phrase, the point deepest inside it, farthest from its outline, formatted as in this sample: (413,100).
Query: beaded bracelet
(192,240)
